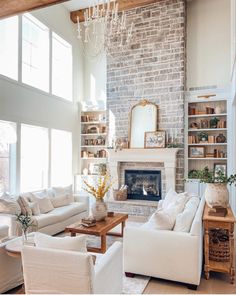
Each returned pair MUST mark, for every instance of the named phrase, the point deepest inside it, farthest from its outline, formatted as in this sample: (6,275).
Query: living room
(117,146)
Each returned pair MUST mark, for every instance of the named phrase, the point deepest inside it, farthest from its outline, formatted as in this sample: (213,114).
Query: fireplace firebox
(143,184)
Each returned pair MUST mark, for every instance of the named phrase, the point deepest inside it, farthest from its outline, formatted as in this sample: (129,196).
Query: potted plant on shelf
(99,208)
(213,122)
(216,193)
(203,137)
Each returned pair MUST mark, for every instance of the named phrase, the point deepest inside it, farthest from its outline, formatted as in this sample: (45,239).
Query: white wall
(208,43)
(19,103)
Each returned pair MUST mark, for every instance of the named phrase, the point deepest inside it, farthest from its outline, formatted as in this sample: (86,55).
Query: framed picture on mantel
(155,139)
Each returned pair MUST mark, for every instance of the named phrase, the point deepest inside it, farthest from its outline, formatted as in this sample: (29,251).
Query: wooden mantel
(167,156)
(123,5)
(14,7)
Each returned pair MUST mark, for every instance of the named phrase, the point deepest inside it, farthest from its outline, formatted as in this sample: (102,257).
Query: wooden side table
(224,223)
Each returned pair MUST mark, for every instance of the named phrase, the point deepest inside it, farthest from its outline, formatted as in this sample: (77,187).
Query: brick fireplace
(153,68)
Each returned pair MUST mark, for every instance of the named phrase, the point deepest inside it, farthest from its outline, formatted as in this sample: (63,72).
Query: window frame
(35,89)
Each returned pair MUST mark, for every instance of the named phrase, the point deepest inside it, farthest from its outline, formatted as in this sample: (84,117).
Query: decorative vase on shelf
(217,194)
(99,210)
(220,138)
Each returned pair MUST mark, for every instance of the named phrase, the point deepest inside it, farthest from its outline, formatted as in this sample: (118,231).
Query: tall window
(34,158)
(9,47)
(7,156)
(61,67)
(61,158)
(35,53)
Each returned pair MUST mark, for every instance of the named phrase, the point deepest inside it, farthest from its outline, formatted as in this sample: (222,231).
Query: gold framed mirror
(142,118)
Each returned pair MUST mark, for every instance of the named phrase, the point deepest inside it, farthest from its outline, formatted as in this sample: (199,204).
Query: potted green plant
(213,122)
(203,136)
(25,222)
(216,193)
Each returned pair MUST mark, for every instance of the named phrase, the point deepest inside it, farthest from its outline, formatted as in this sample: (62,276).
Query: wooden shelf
(93,159)
(208,129)
(208,159)
(194,101)
(94,146)
(207,115)
(93,134)
(94,122)
(207,144)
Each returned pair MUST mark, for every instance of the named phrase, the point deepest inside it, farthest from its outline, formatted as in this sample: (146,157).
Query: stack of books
(88,222)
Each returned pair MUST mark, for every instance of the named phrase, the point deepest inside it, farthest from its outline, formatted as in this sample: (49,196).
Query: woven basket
(120,195)
(219,248)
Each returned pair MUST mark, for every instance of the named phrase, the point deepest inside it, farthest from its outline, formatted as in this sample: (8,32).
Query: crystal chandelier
(104,28)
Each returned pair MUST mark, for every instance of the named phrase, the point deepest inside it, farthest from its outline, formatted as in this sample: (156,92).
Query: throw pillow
(9,206)
(34,206)
(40,194)
(66,243)
(169,198)
(24,205)
(184,220)
(61,201)
(62,191)
(45,204)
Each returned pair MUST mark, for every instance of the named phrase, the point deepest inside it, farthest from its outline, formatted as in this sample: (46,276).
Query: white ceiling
(80,4)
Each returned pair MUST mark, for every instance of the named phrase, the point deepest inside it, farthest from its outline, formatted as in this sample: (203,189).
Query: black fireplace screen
(143,184)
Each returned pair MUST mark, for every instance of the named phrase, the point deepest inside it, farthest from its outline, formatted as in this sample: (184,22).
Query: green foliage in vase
(203,136)
(208,176)
(213,122)
(25,221)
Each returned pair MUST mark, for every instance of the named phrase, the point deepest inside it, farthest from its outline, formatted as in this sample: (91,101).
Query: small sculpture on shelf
(220,138)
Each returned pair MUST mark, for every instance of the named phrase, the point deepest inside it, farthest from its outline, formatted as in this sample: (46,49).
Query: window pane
(34,158)
(35,53)
(61,68)
(7,157)
(61,157)
(9,47)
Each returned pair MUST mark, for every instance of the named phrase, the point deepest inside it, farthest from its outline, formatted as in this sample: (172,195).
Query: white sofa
(166,254)
(54,221)
(44,272)
(10,267)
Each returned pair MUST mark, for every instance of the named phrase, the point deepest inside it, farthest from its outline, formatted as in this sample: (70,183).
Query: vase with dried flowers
(25,222)
(99,208)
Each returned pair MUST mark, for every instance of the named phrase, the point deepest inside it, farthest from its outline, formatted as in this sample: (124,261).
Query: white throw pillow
(24,205)
(61,201)
(40,194)
(169,198)
(45,204)
(9,206)
(62,191)
(184,220)
(34,206)
(66,243)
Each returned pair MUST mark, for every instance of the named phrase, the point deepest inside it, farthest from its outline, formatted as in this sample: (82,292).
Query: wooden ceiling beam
(14,7)
(123,5)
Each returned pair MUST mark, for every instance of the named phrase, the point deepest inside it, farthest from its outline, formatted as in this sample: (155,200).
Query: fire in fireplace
(143,184)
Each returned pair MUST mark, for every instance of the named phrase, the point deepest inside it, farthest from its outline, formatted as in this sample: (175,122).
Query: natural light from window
(35,53)
(9,47)
(61,158)
(34,158)
(61,67)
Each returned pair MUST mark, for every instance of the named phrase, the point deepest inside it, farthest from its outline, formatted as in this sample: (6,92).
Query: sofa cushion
(68,211)
(44,220)
(34,206)
(184,219)
(24,205)
(62,201)
(9,206)
(45,204)
(63,243)
(62,191)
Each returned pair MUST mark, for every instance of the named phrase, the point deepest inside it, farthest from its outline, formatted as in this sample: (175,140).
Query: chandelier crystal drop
(104,28)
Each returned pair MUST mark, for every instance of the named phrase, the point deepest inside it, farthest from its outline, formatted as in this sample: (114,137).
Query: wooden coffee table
(101,229)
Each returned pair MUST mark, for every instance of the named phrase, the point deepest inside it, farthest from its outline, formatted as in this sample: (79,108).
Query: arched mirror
(143,118)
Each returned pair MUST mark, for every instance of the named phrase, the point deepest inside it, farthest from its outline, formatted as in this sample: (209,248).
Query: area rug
(135,285)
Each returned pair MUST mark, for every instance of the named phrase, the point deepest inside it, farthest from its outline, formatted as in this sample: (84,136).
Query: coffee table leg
(118,234)
(103,244)
(72,234)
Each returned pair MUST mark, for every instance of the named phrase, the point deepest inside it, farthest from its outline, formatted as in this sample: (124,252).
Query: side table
(226,223)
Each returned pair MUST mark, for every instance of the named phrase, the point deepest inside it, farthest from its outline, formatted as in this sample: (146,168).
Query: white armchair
(69,272)
(10,267)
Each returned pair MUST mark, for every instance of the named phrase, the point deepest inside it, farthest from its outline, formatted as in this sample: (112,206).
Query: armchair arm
(4,231)
(10,221)
(83,199)
(109,271)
